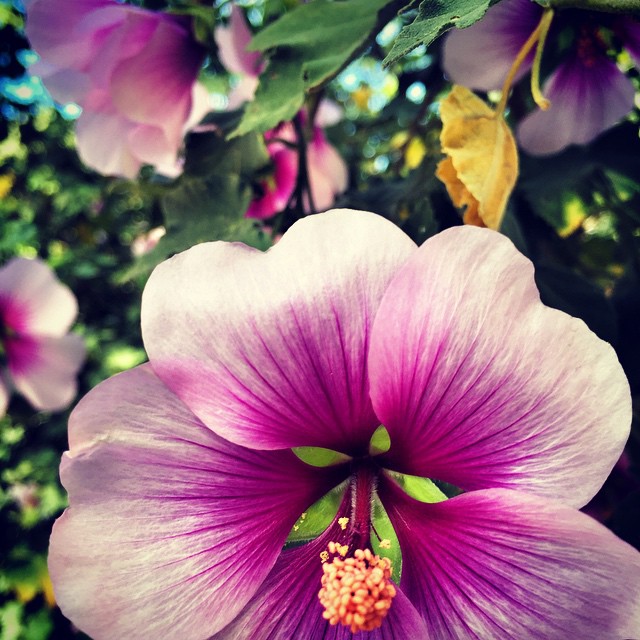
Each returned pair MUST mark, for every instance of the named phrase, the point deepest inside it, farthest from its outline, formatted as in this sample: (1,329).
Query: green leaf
(385,530)
(317,517)
(208,202)
(280,95)
(319,456)
(433,19)
(421,489)
(306,48)
(380,441)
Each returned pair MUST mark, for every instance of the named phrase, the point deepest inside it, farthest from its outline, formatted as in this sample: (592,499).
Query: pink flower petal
(232,42)
(165,70)
(4,395)
(276,191)
(69,33)
(504,564)
(480,56)
(327,171)
(480,385)
(44,370)
(170,529)
(586,99)
(33,300)
(102,140)
(287,605)
(268,350)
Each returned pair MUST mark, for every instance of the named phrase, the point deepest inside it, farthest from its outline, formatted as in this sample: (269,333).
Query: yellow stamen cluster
(357,591)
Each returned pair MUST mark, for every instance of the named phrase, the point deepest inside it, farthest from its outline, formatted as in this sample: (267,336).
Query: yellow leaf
(481,167)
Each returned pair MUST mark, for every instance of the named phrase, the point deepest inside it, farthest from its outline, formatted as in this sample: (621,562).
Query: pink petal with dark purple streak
(586,100)
(480,56)
(504,564)
(170,529)
(481,385)
(269,349)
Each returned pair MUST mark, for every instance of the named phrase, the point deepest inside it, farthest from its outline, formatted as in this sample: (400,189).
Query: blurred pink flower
(41,359)
(132,71)
(327,172)
(145,242)
(587,91)
(232,41)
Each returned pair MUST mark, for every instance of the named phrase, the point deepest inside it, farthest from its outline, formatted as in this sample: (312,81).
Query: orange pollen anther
(357,591)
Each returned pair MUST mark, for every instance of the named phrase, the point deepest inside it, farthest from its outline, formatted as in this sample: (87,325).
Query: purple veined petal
(164,71)
(102,140)
(286,605)
(277,191)
(33,301)
(170,529)
(586,99)
(481,385)
(327,171)
(232,42)
(44,369)
(480,56)
(269,349)
(505,564)
(133,34)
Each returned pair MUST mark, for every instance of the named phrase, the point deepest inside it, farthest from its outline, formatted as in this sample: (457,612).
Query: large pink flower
(132,71)
(183,487)
(41,360)
(587,91)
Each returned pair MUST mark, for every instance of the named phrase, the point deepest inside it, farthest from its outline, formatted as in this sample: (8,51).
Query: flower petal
(277,191)
(586,99)
(165,72)
(504,564)
(69,33)
(327,171)
(44,369)
(287,605)
(33,300)
(4,395)
(102,140)
(170,529)
(480,385)
(232,42)
(269,350)
(480,56)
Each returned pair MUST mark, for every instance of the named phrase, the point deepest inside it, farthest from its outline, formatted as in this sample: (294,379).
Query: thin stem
(545,23)
(517,63)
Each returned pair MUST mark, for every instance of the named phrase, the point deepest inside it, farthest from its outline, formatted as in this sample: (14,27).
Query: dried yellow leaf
(481,167)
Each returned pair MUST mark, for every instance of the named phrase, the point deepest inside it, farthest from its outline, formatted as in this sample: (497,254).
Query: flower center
(356,591)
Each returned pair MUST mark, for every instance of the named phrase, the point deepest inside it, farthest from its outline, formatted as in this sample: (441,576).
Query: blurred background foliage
(575,214)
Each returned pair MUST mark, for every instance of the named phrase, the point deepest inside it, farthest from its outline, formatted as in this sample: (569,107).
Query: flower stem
(542,28)
(544,25)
